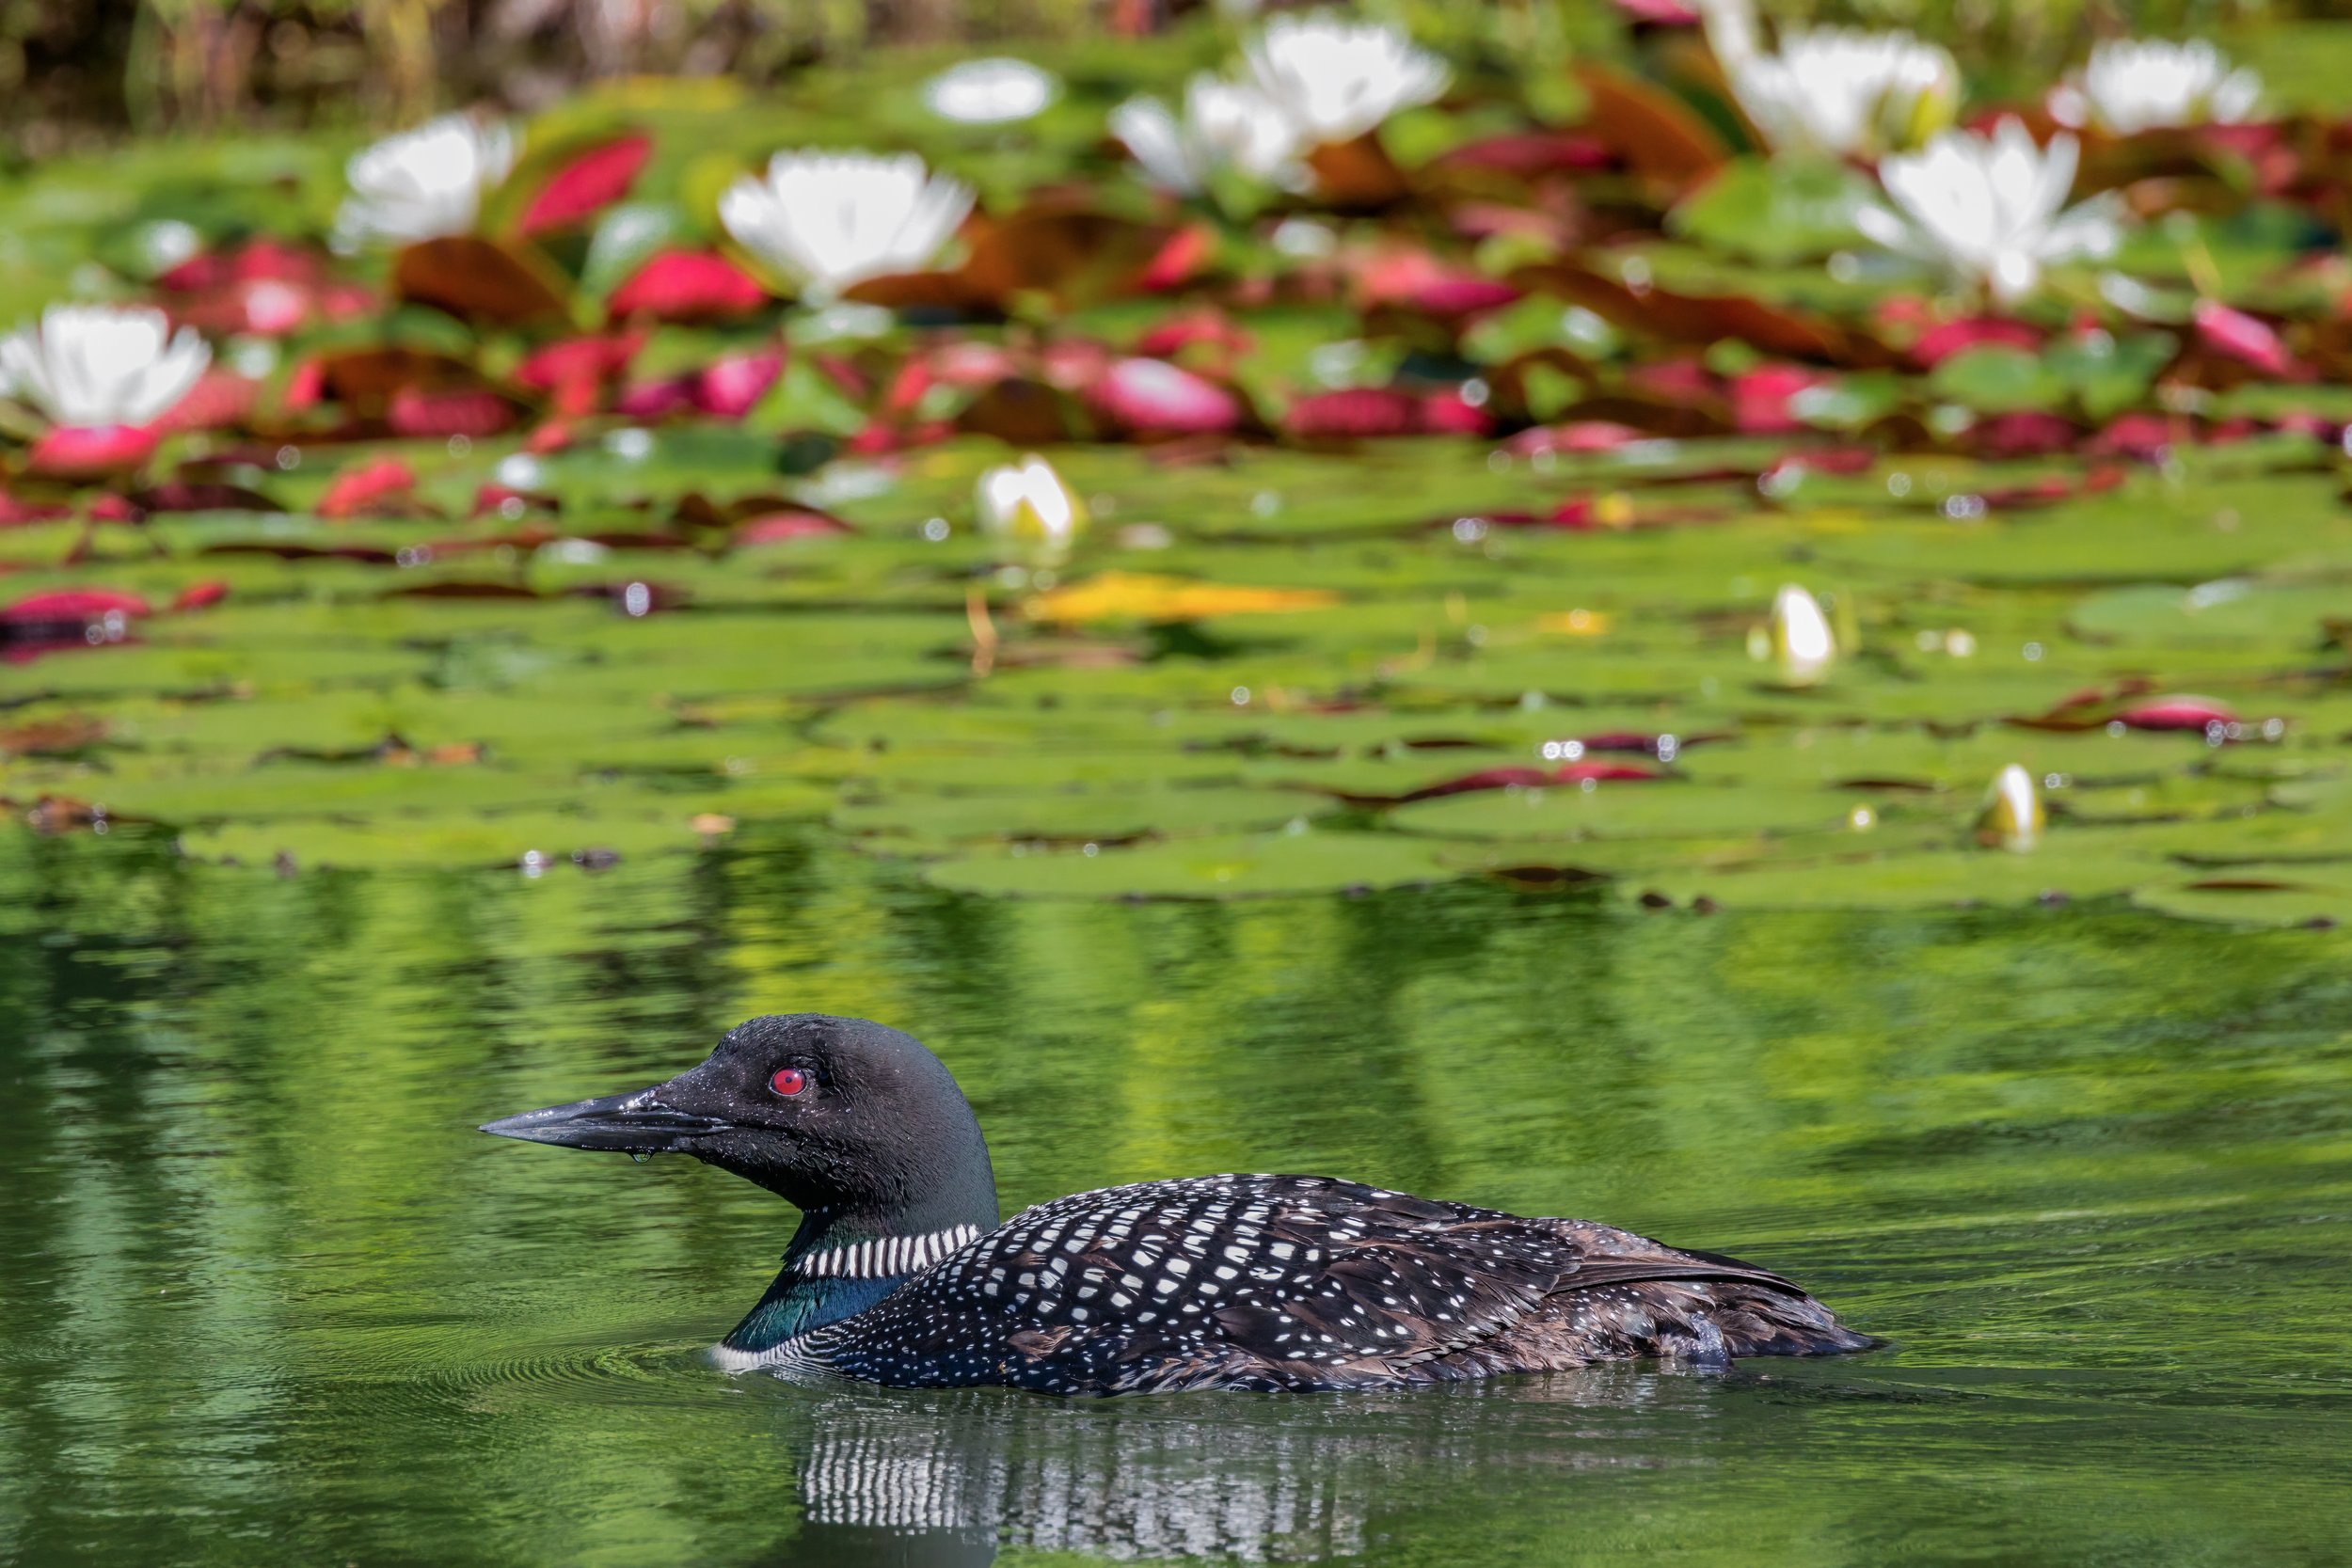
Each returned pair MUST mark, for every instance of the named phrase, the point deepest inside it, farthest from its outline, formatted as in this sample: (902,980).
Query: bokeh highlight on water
(269,1297)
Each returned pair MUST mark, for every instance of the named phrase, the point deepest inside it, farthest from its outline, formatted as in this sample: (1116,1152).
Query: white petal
(1154,141)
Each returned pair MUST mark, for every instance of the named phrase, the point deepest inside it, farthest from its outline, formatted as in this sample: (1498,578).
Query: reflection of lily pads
(545,838)
(1236,867)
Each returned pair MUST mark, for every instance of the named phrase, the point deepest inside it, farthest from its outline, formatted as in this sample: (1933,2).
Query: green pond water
(269,1297)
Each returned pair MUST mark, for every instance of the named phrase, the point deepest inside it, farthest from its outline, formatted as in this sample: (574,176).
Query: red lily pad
(1944,340)
(382,487)
(573,372)
(469,411)
(60,606)
(478,280)
(687,287)
(587,184)
(1699,319)
(183,495)
(1151,398)
(1526,777)
(2176,713)
(1657,135)
(2247,339)
(1357,175)
(788,524)
(90,451)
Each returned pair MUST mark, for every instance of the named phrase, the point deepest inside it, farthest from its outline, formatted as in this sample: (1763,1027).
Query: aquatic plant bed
(1554,480)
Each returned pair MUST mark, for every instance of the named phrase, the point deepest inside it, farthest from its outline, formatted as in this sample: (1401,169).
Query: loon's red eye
(789,1081)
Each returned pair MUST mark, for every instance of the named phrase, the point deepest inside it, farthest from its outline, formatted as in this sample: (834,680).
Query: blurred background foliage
(76,74)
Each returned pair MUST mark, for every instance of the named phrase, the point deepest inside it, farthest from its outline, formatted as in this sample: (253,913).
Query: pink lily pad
(454,411)
(587,184)
(1151,396)
(376,488)
(91,452)
(2247,339)
(731,386)
(687,286)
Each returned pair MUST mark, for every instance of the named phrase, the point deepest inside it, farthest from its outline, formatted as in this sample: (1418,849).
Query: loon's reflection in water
(943,1480)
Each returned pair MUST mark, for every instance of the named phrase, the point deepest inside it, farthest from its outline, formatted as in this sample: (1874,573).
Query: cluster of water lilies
(1818,239)
(1988,208)
(1308,82)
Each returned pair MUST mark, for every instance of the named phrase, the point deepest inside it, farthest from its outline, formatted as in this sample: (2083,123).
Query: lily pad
(1225,866)
(917,824)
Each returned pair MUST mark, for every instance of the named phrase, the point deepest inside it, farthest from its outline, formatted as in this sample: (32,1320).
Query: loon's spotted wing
(1408,1287)
(1270,1282)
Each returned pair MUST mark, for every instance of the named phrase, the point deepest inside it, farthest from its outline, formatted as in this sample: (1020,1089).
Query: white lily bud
(1028,502)
(2013,818)
(1797,639)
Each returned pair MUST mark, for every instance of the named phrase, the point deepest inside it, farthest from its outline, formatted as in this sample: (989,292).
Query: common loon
(900,1273)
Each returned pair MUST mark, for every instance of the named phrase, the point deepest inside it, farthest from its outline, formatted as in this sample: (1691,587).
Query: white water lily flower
(1991,211)
(1226,125)
(1027,501)
(995,91)
(2130,86)
(1846,93)
(423,183)
(92,366)
(835,219)
(1335,79)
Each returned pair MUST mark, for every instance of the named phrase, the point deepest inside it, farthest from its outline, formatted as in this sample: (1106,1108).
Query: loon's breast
(1297,1282)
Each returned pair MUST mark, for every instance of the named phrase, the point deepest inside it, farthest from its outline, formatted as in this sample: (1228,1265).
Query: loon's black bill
(618,1123)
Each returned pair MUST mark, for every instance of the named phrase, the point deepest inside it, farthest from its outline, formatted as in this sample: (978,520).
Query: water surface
(269,1297)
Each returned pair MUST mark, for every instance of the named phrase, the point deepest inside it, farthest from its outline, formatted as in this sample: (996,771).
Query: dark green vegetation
(269,1295)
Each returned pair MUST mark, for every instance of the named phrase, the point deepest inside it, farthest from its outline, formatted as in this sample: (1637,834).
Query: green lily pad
(1615,808)
(2252,901)
(935,823)
(1225,866)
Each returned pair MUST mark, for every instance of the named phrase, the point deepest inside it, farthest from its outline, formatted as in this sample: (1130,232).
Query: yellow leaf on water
(1144,597)
(1576,622)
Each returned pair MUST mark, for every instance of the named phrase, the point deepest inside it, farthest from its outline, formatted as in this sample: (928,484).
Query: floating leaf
(932,823)
(1144,597)
(478,280)
(1241,867)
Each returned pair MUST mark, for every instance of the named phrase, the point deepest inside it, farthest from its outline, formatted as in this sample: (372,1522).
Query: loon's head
(834,1114)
